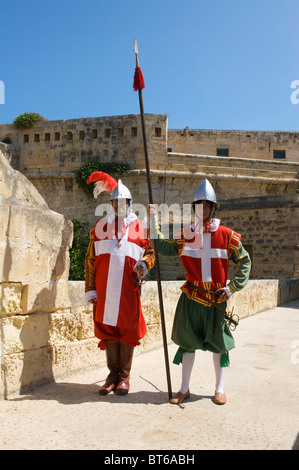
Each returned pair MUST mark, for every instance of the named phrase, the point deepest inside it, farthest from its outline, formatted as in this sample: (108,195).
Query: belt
(204,291)
(232,322)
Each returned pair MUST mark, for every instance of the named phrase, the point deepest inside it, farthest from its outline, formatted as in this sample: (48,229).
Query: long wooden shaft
(155,242)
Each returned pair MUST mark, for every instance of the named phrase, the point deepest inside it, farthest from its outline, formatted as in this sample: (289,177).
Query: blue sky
(212,64)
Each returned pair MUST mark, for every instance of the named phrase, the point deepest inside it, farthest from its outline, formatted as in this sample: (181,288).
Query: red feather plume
(103,182)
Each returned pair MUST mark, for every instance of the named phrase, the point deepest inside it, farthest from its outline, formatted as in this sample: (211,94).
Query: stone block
(47,297)
(63,328)
(86,327)
(10,298)
(76,356)
(35,239)
(23,333)
(24,371)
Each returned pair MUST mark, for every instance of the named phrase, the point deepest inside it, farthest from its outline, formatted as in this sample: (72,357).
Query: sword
(139,85)
(231,319)
(140,278)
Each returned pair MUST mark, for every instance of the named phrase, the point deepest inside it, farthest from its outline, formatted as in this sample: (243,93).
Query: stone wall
(238,143)
(63,146)
(46,331)
(41,347)
(34,267)
(259,201)
(258,196)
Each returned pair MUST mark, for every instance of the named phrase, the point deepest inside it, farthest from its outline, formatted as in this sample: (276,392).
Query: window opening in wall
(47,137)
(222,152)
(36,137)
(120,132)
(94,133)
(26,138)
(68,184)
(134,131)
(157,131)
(57,136)
(81,135)
(107,133)
(69,136)
(279,153)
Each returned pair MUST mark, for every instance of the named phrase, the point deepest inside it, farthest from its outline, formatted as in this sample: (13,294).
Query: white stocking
(187,365)
(219,372)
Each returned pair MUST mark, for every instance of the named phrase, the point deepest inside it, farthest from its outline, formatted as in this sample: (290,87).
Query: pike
(139,85)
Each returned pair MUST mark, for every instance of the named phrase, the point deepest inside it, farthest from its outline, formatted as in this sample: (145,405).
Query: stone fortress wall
(46,331)
(263,145)
(258,193)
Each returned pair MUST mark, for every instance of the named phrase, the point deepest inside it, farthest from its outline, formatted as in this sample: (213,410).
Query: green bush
(78,250)
(26,120)
(6,140)
(115,169)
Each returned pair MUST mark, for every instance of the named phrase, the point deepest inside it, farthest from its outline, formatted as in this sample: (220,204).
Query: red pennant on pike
(138,79)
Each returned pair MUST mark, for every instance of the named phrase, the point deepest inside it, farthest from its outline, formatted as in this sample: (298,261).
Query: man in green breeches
(205,250)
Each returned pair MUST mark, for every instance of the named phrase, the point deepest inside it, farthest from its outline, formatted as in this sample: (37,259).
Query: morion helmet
(121,192)
(205,192)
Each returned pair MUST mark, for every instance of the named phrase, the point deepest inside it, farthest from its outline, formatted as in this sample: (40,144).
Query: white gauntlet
(89,295)
(140,269)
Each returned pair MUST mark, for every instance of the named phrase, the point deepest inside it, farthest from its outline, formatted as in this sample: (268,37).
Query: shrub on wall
(26,120)
(78,250)
(115,169)
(6,140)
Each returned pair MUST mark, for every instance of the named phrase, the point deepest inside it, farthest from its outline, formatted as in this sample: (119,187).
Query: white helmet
(205,192)
(122,192)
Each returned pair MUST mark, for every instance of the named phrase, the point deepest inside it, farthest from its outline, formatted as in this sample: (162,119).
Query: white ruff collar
(213,225)
(127,220)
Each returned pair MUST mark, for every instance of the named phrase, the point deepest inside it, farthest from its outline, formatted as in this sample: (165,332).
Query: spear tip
(135,46)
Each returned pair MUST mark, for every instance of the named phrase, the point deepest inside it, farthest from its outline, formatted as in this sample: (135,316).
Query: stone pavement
(262,411)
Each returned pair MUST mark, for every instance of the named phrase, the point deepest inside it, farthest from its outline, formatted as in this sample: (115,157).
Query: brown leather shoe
(179,397)
(123,387)
(219,398)
(107,387)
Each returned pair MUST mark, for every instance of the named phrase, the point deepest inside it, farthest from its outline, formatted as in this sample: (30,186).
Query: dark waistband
(204,291)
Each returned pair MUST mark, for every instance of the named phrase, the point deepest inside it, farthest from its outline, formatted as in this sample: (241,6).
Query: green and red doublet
(205,256)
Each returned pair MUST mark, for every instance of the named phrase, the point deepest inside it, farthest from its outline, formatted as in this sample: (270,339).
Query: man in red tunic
(118,256)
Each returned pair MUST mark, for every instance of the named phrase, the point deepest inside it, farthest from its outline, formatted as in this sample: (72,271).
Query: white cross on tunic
(205,253)
(116,270)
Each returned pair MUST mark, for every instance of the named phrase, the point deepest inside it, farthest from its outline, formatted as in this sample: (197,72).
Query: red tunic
(118,314)
(206,260)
